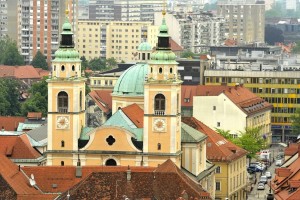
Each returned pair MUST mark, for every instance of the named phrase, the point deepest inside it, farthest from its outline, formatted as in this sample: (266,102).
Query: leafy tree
(39,61)
(225,133)
(9,96)
(296,48)
(97,64)
(38,101)
(84,63)
(273,35)
(187,54)
(111,62)
(296,122)
(12,56)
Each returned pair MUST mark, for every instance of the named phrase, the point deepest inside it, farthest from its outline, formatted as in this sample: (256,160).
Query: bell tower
(66,101)
(162,118)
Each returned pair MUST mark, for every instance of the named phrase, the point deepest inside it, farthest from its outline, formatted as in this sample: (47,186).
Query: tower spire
(67,9)
(164,11)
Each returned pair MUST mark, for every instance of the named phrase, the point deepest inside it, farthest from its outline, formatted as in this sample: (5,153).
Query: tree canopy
(38,100)
(296,122)
(9,96)
(273,35)
(39,61)
(187,54)
(296,48)
(97,64)
(9,54)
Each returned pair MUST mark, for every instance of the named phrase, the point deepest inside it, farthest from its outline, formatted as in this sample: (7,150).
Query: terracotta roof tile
(175,46)
(187,94)
(10,123)
(19,72)
(291,149)
(18,182)
(218,148)
(34,115)
(135,114)
(17,147)
(103,99)
(242,97)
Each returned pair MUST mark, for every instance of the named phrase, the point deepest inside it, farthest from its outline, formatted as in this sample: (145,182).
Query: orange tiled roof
(17,147)
(19,72)
(246,100)
(103,99)
(10,123)
(218,148)
(34,115)
(42,72)
(230,42)
(135,114)
(175,46)
(291,149)
(18,182)
(187,94)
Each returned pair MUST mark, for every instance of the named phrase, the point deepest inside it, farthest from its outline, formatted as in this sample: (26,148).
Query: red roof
(291,149)
(34,115)
(103,99)
(242,97)
(18,182)
(135,114)
(19,72)
(42,72)
(17,147)
(218,149)
(175,46)
(10,123)
(187,94)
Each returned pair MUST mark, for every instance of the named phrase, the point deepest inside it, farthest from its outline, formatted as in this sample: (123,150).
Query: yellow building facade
(114,39)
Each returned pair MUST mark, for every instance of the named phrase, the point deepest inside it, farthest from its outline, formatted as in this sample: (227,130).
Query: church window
(62,68)
(151,69)
(158,146)
(110,140)
(111,162)
(148,56)
(62,143)
(160,104)
(62,163)
(171,70)
(54,67)
(143,56)
(73,68)
(62,102)
(160,70)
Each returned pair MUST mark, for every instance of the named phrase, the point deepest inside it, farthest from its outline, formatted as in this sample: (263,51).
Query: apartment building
(114,39)
(8,18)
(120,10)
(40,24)
(194,31)
(245,20)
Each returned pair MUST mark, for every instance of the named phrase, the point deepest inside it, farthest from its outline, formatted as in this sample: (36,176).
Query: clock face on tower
(62,122)
(159,125)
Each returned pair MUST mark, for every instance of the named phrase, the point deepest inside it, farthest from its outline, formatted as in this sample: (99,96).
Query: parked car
(263,179)
(278,162)
(251,169)
(259,166)
(268,175)
(260,186)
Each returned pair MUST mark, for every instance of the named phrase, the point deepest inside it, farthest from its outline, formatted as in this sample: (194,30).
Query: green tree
(9,97)
(12,56)
(39,61)
(97,64)
(225,133)
(38,100)
(111,62)
(296,48)
(84,63)
(296,122)
(187,54)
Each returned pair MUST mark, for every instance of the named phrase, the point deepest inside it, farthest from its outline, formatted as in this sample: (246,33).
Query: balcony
(159,112)
(63,109)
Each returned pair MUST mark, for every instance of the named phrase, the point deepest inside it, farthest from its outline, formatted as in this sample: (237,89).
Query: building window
(186,100)
(160,70)
(62,68)
(73,68)
(158,146)
(218,170)
(110,140)
(171,70)
(80,100)
(214,107)
(62,163)
(218,124)
(62,143)
(62,102)
(218,186)
(159,104)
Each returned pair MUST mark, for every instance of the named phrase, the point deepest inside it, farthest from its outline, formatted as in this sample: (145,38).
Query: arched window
(171,70)
(158,146)
(143,56)
(151,69)
(73,68)
(160,70)
(54,67)
(148,56)
(62,163)
(160,104)
(62,102)
(62,143)
(62,68)
(111,162)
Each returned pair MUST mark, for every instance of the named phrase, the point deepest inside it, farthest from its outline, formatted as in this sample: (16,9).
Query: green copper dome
(63,53)
(131,82)
(163,29)
(144,46)
(163,55)
(67,26)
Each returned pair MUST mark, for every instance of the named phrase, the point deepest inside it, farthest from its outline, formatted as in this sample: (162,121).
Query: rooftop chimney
(128,174)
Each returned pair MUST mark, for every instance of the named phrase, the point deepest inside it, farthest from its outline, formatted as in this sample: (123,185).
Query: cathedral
(145,128)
